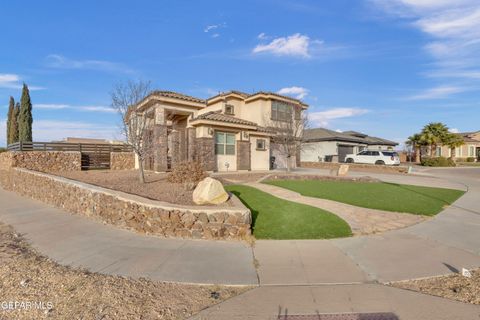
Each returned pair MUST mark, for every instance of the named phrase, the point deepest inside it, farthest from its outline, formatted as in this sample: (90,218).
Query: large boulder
(209,191)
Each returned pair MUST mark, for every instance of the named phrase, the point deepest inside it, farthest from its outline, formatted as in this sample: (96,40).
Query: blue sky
(385,68)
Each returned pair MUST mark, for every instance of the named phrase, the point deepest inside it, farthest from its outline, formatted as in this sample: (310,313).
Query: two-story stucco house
(228,132)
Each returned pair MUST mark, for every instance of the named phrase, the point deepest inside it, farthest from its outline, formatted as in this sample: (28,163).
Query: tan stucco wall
(460,152)
(260,159)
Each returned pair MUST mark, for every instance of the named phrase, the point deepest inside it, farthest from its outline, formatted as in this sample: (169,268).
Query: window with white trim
(224,143)
(438,152)
(261,144)
(229,109)
(281,111)
(471,151)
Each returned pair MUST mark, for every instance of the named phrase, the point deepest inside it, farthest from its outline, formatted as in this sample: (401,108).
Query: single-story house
(326,145)
(470,148)
(230,131)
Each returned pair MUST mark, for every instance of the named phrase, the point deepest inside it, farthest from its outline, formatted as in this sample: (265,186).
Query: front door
(225,151)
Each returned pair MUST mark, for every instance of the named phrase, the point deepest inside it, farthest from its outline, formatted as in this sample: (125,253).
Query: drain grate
(341,316)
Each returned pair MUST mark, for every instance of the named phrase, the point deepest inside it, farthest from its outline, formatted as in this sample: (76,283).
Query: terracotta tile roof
(277,95)
(217,116)
(247,95)
(240,93)
(467,136)
(176,95)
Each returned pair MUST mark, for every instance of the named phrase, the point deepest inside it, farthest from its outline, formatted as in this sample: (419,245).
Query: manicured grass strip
(275,218)
(376,195)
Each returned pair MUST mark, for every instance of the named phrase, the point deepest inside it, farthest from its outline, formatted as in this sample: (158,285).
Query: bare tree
(136,125)
(288,129)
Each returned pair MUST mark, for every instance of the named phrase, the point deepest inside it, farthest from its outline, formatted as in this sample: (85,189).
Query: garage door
(343,151)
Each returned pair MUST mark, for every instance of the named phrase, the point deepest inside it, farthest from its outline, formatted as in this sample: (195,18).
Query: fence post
(21,145)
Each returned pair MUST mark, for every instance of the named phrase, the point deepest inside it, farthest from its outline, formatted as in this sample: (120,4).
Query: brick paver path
(363,221)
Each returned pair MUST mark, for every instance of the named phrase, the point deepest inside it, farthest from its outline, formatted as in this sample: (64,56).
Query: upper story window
(281,111)
(229,109)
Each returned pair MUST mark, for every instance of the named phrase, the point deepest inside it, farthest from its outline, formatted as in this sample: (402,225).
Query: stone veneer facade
(44,161)
(129,211)
(122,160)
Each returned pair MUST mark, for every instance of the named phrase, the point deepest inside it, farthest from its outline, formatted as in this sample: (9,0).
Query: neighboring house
(90,141)
(227,132)
(326,145)
(470,148)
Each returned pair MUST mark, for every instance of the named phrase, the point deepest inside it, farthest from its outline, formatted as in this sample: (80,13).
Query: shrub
(438,162)
(188,173)
(3,150)
(471,159)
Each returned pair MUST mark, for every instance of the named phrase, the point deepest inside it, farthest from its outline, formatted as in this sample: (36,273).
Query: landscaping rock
(209,191)
(342,170)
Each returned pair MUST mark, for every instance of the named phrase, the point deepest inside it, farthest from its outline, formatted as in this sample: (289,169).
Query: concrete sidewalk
(268,302)
(83,242)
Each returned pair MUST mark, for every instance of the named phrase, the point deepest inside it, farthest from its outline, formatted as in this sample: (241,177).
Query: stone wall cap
(238,205)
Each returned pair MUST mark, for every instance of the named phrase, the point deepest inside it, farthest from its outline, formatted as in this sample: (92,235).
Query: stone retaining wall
(355,167)
(44,161)
(132,212)
(122,160)
(6,160)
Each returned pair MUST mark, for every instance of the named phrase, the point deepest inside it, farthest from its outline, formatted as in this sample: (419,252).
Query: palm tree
(415,141)
(453,141)
(433,134)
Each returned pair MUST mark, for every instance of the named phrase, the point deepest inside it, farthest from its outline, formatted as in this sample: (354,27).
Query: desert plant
(188,173)
(437,162)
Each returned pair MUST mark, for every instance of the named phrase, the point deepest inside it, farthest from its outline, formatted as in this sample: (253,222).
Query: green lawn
(275,218)
(376,195)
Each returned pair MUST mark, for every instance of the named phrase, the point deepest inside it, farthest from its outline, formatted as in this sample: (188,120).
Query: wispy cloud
(323,118)
(296,45)
(14,81)
(61,62)
(213,29)
(296,92)
(437,93)
(454,29)
(105,109)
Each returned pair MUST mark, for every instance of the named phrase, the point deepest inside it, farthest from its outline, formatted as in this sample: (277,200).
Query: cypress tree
(11,113)
(25,119)
(14,124)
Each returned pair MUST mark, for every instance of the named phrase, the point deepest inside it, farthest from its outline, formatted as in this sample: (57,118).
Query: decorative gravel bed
(156,187)
(64,293)
(455,287)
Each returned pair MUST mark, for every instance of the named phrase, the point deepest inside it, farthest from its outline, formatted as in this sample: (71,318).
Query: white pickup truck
(379,157)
